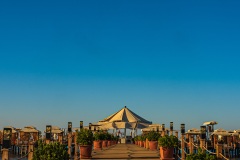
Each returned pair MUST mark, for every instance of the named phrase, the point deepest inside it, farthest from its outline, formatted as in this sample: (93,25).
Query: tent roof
(125,115)
(29,129)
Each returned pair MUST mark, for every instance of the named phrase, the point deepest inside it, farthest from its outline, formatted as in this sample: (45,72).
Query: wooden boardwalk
(125,151)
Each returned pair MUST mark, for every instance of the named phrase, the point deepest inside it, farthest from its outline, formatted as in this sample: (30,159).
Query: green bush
(201,156)
(107,136)
(98,136)
(136,138)
(84,137)
(153,136)
(142,137)
(168,141)
(51,151)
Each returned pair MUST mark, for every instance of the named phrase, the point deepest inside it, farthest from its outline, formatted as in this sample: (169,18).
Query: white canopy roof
(125,115)
(124,118)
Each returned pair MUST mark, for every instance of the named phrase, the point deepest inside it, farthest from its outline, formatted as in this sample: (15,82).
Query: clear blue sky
(78,60)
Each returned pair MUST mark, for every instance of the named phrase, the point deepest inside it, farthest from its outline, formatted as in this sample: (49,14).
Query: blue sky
(77,60)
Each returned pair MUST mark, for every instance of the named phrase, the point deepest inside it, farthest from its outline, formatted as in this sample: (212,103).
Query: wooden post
(219,150)
(183,147)
(47,141)
(30,150)
(191,144)
(76,147)
(176,134)
(215,140)
(163,133)
(203,144)
(69,142)
(5,154)
(60,138)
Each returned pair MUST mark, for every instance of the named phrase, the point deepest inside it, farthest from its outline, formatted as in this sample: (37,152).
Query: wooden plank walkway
(125,151)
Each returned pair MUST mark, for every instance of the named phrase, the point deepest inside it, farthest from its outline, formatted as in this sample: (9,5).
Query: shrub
(200,155)
(51,151)
(168,141)
(153,136)
(84,137)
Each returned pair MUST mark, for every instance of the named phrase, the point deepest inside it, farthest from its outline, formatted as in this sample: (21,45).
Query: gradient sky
(78,60)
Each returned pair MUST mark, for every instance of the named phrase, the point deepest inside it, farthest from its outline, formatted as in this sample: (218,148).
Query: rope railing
(223,156)
(179,156)
(25,155)
(185,141)
(194,145)
(208,150)
(185,152)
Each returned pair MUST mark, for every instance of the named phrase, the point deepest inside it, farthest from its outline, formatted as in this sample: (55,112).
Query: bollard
(5,154)
(30,150)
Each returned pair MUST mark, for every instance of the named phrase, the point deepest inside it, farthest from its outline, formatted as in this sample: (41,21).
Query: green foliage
(98,136)
(142,137)
(136,138)
(153,136)
(168,141)
(51,151)
(85,137)
(107,136)
(200,155)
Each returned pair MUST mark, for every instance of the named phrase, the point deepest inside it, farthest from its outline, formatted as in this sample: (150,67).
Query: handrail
(208,150)
(223,156)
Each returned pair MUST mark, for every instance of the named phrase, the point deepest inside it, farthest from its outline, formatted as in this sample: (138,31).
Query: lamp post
(182,141)
(69,126)
(90,126)
(7,133)
(163,129)
(171,128)
(48,133)
(81,125)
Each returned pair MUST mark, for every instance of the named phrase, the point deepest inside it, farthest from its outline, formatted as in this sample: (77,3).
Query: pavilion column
(125,132)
